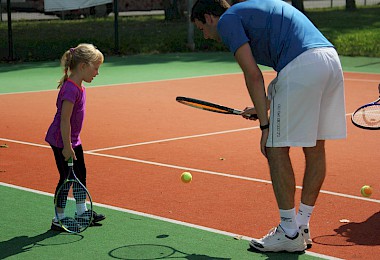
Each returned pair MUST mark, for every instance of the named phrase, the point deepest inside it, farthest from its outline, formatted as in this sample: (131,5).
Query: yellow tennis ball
(186,177)
(366,191)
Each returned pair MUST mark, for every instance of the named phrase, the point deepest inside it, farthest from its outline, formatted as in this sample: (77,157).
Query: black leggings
(63,169)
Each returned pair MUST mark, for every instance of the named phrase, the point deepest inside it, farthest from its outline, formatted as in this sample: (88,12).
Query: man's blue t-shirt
(276,31)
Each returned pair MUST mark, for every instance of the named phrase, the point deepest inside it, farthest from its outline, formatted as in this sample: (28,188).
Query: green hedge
(353,33)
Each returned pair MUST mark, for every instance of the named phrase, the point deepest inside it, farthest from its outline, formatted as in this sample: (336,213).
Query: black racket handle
(254,116)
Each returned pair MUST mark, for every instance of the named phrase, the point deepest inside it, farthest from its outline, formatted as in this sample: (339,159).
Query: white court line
(173,221)
(137,82)
(186,78)
(173,139)
(177,138)
(195,170)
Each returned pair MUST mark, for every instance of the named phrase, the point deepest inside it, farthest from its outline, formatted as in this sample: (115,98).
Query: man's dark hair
(212,7)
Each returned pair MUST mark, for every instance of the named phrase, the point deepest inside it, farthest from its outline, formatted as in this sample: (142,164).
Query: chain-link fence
(79,25)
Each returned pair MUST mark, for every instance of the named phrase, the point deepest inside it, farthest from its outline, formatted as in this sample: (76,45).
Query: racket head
(204,105)
(69,194)
(367,116)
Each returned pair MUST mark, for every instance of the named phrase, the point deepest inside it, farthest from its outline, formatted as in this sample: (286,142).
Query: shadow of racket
(153,251)
(21,244)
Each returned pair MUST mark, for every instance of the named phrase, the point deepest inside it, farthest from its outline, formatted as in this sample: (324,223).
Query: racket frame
(374,103)
(212,107)
(88,201)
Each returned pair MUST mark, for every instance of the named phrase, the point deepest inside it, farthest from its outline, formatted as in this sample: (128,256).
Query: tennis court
(138,140)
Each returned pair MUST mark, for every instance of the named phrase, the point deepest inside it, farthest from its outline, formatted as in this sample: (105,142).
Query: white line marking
(172,221)
(197,170)
(223,175)
(186,78)
(362,80)
(178,138)
(22,142)
(174,139)
(132,83)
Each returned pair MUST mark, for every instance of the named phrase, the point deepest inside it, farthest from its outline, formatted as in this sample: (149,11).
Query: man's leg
(315,172)
(282,176)
(286,236)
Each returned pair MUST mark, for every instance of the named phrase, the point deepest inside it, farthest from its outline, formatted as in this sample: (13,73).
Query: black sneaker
(56,226)
(69,223)
(87,214)
(97,217)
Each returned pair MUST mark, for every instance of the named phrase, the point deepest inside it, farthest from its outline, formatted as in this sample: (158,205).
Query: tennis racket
(204,105)
(71,195)
(368,116)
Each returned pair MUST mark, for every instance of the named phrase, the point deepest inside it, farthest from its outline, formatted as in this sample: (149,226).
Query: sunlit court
(189,129)
(138,140)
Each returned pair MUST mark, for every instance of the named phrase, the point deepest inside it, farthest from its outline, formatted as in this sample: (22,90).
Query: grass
(354,33)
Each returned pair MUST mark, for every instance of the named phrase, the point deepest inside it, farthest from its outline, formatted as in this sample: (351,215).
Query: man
(306,99)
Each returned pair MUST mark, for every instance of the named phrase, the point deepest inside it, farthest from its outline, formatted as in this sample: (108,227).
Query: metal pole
(116,25)
(10,38)
(331,3)
(190,29)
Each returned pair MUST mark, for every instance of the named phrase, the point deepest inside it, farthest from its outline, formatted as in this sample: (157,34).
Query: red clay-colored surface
(128,115)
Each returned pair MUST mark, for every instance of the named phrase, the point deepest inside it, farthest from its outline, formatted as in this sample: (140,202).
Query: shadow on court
(152,251)
(21,244)
(353,233)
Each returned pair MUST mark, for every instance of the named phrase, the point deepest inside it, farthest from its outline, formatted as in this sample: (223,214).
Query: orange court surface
(138,141)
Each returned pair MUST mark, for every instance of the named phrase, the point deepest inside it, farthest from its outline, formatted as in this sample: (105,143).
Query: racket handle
(70,162)
(254,116)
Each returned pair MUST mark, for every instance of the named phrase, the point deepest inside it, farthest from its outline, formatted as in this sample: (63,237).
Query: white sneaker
(305,232)
(276,240)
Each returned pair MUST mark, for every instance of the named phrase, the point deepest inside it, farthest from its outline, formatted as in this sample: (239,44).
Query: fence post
(116,25)
(190,29)
(10,37)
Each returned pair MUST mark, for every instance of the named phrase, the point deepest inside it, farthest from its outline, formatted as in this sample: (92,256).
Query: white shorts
(307,100)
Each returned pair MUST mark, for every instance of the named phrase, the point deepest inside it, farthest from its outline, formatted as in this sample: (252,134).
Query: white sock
(81,208)
(288,221)
(60,216)
(304,214)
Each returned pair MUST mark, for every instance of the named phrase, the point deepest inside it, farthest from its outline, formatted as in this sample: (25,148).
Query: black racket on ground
(367,116)
(204,105)
(71,195)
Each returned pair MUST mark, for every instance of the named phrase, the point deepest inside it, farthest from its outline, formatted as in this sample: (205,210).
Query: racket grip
(254,116)
(70,162)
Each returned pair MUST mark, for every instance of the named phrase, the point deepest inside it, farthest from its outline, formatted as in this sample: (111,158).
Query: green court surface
(25,222)
(44,75)
(26,215)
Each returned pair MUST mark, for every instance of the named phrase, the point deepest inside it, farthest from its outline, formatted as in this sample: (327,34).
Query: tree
(350,5)
(173,9)
(299,5)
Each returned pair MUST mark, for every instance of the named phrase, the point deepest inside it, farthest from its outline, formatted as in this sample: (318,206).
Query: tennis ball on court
(186,177)
(366,191)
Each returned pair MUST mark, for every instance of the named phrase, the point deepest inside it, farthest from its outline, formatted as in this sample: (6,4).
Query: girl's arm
(67,110)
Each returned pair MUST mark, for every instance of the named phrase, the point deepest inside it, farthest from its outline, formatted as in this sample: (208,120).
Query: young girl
(80,64)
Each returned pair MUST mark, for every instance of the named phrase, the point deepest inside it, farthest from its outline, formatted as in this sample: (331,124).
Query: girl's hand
(68,153)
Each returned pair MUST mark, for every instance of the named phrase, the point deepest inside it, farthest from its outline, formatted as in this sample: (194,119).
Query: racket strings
(71,197)
(61,196)
(368,116)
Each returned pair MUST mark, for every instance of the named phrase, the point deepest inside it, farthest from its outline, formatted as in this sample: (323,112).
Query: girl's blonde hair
(83,53)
